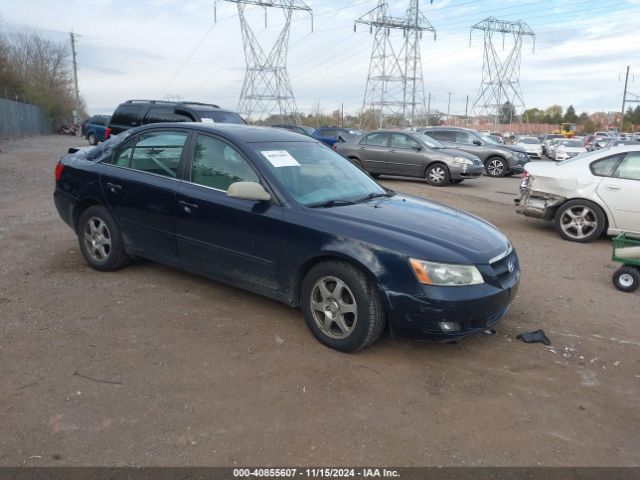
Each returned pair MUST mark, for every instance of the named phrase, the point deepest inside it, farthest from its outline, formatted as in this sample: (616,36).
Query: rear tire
(342,307)
(92,139)
(580,221)
(626,279)
(438,175)
(100,240)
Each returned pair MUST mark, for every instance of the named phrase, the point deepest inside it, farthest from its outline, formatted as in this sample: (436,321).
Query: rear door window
(629,168)
(159,153)
(376,139)
(399,140)
(164,114)
(442,135)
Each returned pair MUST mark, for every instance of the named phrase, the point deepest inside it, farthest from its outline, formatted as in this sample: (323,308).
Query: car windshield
(314,175)
(488,139)
(221,117)
(529,140)
(572,143)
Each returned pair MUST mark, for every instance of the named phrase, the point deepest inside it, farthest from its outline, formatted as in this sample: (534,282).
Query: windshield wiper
(331,203)
(371,196)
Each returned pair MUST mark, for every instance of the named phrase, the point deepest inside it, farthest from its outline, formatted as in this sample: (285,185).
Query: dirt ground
(153,366)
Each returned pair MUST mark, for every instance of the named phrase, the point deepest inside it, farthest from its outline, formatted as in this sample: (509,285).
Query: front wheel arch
(327,257)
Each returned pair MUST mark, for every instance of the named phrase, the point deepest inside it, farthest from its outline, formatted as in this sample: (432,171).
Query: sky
(159,48)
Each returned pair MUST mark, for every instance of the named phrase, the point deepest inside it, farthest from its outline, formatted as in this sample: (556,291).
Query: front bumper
(516,163)
(459,172)
(473,308)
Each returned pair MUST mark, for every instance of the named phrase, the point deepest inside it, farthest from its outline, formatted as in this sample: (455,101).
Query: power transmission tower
(266,88)
(395,86)
(500,74)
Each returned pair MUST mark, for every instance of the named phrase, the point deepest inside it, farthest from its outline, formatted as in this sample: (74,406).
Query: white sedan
(565,149)
(587,194)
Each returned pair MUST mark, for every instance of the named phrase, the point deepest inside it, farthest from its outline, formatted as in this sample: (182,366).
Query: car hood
(515,148)
(419,228)
(459,153)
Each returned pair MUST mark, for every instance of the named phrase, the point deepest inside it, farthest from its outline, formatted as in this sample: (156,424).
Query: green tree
(570,116)
(533,115)
(507,112)
(553,114)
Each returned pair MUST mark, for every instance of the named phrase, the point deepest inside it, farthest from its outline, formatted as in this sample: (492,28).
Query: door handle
(187,207)
(114,187)
(611,187)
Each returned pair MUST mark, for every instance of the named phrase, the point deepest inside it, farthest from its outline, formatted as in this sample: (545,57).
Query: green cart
(626,250)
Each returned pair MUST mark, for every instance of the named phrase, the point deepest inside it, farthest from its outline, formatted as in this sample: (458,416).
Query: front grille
(501,268)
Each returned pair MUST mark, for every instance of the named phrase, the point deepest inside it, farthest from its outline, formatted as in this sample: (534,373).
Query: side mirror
(477,142)
(248,191)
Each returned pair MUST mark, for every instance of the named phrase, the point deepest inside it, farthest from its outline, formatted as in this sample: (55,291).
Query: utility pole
(449,108)
(76,117)
(429,110)
(466,108)
(624,99)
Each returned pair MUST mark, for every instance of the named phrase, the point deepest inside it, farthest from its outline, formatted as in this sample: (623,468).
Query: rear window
(164,114)
(221,117)
(127,115)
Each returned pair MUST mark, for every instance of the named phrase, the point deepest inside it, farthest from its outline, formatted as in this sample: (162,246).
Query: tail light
(107,133)
(335,146)
(59,168)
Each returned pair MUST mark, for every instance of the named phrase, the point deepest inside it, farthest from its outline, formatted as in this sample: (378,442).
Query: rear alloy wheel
(92,139)
(341,306)
(437,175)
(496,167)
(100,240)
(626,279)
(580,221)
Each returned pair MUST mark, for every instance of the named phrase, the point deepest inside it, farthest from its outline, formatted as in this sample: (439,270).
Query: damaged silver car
(587,195)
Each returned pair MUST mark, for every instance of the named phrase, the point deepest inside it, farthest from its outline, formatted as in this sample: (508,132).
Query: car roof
(451,128)
(235,132)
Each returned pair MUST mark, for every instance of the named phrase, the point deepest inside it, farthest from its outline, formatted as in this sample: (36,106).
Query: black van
(134,113)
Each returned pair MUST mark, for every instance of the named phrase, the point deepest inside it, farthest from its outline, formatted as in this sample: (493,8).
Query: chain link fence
(19,119)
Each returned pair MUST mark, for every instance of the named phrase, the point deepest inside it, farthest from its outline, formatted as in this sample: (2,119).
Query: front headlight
(446,274)
(462,161)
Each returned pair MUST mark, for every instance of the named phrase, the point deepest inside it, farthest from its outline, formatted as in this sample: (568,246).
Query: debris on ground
(537,336)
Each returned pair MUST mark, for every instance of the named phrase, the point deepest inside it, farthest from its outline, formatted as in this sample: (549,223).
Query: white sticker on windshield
(207,120)
(280,158)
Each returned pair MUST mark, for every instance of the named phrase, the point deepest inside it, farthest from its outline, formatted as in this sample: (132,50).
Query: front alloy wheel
(438,175)
(496,167)
(342,306)
(333,307)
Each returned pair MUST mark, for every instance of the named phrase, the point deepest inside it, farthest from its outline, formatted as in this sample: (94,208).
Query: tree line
(37,70)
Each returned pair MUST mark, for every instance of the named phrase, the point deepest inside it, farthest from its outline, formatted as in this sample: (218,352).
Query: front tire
(496,167)
(438,175)
(342,307)
(626,279)
(100,240)
(580,221)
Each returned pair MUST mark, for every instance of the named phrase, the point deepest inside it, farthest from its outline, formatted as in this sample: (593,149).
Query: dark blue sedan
(280,214)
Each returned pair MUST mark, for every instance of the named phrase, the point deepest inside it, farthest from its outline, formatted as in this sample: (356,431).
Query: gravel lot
(153,366)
